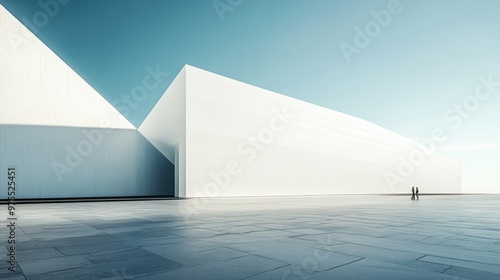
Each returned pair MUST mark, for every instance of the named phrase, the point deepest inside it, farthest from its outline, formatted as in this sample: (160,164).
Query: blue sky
(428,57)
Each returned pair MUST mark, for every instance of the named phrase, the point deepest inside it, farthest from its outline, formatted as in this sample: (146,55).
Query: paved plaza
(337,237)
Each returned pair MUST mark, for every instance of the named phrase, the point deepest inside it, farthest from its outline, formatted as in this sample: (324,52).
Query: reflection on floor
(338,237)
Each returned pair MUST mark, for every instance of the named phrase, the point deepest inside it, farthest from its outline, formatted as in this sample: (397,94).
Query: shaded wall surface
(68,162)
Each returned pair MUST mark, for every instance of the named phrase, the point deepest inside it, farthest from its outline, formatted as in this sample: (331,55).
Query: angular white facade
(38,88)
(208,136)
(228,138)
(64,139)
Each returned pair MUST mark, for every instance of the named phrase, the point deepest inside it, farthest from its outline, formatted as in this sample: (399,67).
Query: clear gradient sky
(416,66)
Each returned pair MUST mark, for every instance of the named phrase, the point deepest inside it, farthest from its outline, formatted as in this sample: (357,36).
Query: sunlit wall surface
(234,139)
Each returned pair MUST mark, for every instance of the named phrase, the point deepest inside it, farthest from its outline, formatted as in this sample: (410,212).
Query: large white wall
(242,140)
(38,88)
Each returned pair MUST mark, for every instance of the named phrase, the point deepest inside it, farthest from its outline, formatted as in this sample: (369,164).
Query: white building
(228,138)
(64,139)
(207,136)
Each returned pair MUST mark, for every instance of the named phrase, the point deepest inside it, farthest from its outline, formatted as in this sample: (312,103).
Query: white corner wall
(242,140)
(64,139)
(38,88)
(165,128)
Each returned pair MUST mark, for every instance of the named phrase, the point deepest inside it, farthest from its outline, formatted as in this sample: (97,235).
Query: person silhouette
(416,192)
(413,193)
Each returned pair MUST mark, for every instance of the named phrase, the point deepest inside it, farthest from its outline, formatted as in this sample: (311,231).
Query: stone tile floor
(337,237)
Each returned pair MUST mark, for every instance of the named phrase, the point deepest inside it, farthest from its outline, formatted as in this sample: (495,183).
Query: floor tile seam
(259,256)
(181,266)
(216,246)
(89,253)
(475,236)
(243,232)
(377,247)
(423,240)
(474,262)
(249,253)
(59,270)
(64,256)
(451,266)
(164,258)
(90,256)
(351,262)
(413,252)
(429,263)
(418,259)
(285,265)
(20,270)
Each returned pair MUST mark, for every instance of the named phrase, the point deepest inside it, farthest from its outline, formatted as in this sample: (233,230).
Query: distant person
(416,192)
(413,193)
